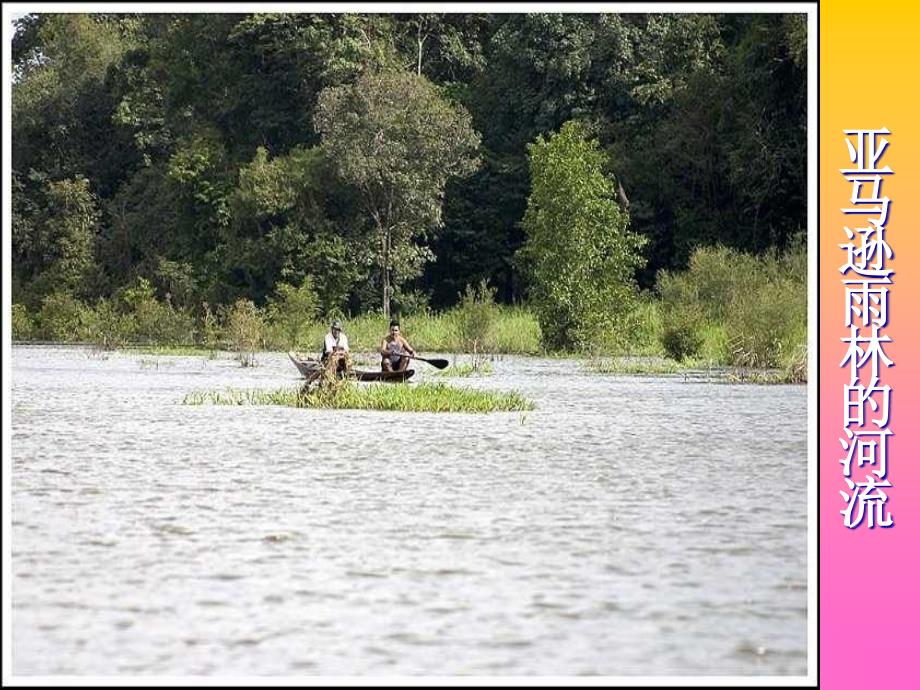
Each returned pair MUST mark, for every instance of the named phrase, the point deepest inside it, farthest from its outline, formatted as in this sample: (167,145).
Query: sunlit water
(628,525)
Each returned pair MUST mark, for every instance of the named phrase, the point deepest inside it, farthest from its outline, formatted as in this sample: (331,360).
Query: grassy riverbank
(157,327)
(728,309)
(388,397)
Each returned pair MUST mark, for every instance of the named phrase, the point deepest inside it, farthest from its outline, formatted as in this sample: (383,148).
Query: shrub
(761,319)
(106,327)
(794,364)
(177,326)
(22,324)
(719,276)
(291,312)
(61,317)
(475,318)
(736,308)
(641,328)
(680,334)
(153,321)
(209,327)
(715,345)
(139,301)
(245,330)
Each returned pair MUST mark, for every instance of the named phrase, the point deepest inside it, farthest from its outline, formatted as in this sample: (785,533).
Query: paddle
(436,363)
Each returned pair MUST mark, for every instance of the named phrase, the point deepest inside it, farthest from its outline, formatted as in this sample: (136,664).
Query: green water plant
(477,367)
(425,397)
(633,366)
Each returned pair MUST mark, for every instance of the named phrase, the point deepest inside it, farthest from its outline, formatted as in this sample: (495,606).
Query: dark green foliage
(184,149)
(713,144)
(152,320)
(680,333)
(61,318)
(481,232)
(54,233)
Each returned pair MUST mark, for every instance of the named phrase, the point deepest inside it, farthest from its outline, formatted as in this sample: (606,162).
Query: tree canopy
(221,156)
(397,142)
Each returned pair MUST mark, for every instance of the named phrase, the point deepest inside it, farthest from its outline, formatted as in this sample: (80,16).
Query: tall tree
(579,253)
(397,141)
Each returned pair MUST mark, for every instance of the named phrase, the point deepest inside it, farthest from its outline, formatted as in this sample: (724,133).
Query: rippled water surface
(626,526)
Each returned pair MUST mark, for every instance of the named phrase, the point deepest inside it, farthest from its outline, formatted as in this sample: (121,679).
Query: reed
(765,376)
(737,309)
(172,350)
(633,366)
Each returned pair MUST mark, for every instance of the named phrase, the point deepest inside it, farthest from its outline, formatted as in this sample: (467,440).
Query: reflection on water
(627,526)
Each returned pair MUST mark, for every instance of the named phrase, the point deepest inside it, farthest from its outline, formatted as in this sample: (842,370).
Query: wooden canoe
(310,368)
(387,376)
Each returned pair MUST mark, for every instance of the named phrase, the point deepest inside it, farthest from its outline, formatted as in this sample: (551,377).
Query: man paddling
(335,345)
(393,350)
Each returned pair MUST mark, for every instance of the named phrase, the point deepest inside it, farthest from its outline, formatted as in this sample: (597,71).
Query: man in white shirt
(335,344)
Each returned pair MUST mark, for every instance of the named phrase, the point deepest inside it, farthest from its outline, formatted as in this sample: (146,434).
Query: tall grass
(513,330)
(516,331)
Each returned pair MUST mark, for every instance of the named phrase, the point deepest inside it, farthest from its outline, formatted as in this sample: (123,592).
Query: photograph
(413,343)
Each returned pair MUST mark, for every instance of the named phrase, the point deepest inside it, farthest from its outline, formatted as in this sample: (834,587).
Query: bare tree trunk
(420,39)
(386,273)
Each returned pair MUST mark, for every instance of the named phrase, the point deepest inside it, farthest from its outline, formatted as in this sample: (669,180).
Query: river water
(628,525)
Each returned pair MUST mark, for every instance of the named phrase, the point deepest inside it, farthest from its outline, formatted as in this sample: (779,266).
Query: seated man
(335,345)
(393,350)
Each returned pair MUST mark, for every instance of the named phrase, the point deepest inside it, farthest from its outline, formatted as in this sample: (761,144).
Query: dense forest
(218,156)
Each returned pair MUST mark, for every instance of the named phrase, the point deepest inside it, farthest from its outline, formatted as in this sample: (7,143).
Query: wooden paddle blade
(437,363)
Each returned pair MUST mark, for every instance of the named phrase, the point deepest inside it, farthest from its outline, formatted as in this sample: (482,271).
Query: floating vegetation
(633,366)
(467,370)
(154,363)
(174,351)
(766,376)
(697,370)
(425,397)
